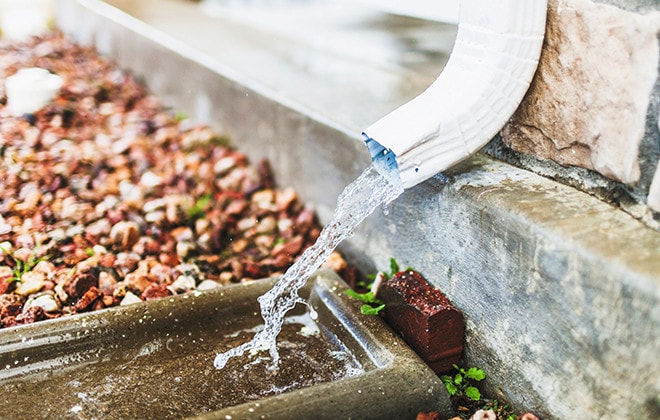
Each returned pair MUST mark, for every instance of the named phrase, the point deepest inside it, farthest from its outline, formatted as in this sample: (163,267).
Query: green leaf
(394,267)
(458,379)
(475,373)
(198,210)
(451,388)
(367,297)
(472,393)
(371,310)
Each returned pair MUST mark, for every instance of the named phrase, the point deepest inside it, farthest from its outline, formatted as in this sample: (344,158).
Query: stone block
(587,105)
(424,318)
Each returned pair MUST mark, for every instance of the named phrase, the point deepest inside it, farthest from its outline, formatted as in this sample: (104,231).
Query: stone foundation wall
(594,102)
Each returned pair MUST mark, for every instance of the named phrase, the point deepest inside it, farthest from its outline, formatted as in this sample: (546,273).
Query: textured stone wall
(594,100)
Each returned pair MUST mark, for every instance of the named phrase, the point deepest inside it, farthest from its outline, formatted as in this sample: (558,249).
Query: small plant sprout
(373,305)
(462,383)
(198,210)
(21,267)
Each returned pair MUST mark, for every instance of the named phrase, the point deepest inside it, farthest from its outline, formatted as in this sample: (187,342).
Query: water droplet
(313,314)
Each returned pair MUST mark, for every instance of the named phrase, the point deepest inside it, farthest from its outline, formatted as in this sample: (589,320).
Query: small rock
(150,180)
(99,228)
(138,281)
(125,233)
(130,192)
(45,267)
(23,254)
(431,415)
(60,293)
(130,298)
(7,285)
(266,225)
(47,302)
(223,165)
(107,283)
(80,283)
(290,247)
(208,285)
(153,205)
(183,283)
(31,282)
(183,248)
(108,300)
(33,314)
(86,301)
(246,223)
(10,305)
(335,262)
(285,198)
(155,217)
(155,291)
(484,415)
(236,207)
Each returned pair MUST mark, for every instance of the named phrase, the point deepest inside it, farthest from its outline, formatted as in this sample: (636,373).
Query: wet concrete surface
(349,63)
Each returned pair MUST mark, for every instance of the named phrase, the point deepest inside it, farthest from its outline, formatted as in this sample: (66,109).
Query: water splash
(356,202)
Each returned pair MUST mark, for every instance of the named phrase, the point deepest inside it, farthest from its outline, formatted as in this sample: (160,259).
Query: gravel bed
(109,198)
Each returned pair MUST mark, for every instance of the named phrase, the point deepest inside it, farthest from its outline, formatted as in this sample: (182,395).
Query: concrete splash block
(425,319)
(155,360)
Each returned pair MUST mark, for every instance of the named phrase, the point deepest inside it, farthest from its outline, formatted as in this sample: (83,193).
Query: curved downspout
(490,68)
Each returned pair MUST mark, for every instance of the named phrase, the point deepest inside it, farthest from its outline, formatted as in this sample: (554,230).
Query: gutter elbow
(489,70)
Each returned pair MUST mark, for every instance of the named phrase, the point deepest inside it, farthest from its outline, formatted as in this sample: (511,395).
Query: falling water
(356,202)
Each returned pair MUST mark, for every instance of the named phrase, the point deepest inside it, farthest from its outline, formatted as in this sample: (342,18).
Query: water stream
(358,200)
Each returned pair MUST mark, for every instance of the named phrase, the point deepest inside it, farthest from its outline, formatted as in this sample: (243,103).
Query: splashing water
(356,202)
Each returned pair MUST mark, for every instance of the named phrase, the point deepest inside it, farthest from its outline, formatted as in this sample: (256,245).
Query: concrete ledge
(559,290)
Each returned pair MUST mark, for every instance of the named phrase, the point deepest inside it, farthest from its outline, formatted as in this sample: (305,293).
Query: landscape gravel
(107,197)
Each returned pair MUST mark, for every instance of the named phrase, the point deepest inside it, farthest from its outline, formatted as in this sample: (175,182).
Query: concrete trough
(155,360)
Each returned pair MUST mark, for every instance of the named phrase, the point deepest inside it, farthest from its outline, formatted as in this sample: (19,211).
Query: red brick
(424,318)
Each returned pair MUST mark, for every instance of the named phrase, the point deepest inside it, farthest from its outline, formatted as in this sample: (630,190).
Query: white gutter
(490,68)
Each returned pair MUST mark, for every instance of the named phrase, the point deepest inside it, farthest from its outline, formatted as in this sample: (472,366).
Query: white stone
(150,179)
(184,247)
(21,19)
(183,283)
(130,298)
(47,302)
(31,282)
(30,89)
(208,285)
